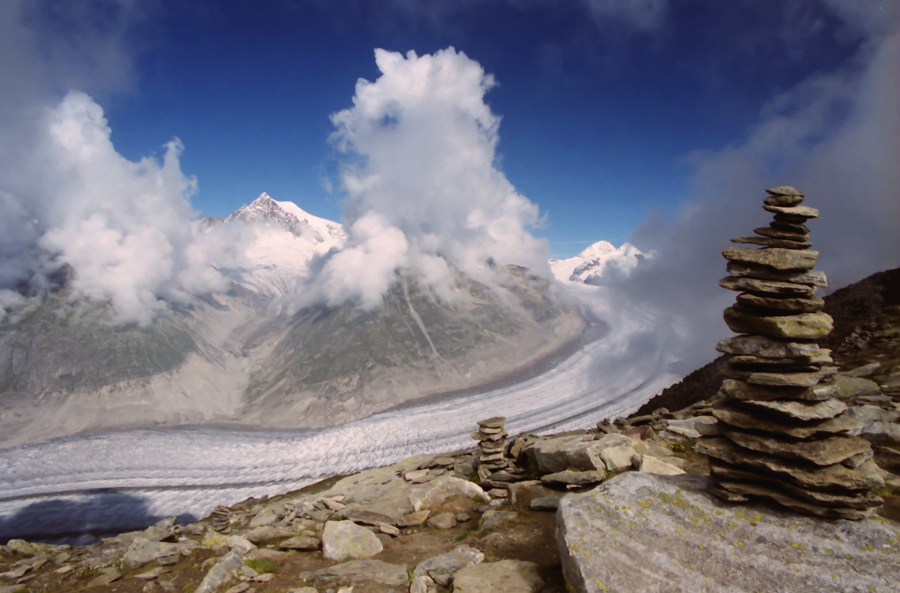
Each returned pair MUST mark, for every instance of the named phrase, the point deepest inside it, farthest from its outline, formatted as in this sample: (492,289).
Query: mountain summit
(291,217)
(598,263)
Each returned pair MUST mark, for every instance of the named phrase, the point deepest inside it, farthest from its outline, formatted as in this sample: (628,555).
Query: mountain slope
(247,357)
(871,304)
(338,364)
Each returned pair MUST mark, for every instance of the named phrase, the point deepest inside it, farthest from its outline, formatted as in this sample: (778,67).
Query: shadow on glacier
(81,521)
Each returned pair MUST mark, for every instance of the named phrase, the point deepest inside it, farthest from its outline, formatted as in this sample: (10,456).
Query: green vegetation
(88,573)
(886,490)
(261,566)
(683,448)
(464,535)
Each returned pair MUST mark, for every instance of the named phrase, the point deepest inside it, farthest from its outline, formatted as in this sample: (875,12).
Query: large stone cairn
(784,435)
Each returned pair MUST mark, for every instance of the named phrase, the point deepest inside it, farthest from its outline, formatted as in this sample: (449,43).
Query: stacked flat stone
(221,518)
(784,436)
(491,437)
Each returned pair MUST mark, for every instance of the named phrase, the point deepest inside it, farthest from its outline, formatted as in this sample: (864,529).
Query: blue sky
(659,122)
(602,107)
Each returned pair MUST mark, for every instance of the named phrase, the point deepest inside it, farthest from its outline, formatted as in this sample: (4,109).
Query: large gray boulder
(648,533)
(142,550)
(345,539)
(558,454)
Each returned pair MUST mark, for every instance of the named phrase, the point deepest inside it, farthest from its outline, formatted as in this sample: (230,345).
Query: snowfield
(117,481)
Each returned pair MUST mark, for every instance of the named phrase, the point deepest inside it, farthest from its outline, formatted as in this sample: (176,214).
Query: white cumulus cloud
(423,188)
(124,227)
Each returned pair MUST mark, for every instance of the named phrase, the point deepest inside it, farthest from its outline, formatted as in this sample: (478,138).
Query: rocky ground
(437,524)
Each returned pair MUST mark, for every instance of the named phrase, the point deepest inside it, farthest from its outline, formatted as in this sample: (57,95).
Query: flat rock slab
(812,278)
(767,286)
(506,576)
(576,478)
(805,326)
(790,305)
(360,570)
(742,419)
(801,410)
(865,477)
(640,532)
(775,257)
(773,242)
(743,391)
(823,451)
(798,211)
(783,377)
(765,347)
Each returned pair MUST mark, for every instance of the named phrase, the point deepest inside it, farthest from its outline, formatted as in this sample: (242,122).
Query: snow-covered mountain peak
(598,260)
(291,217)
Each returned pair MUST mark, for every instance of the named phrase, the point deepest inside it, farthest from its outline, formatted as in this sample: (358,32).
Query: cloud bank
(124,227)
(67,198)
(836,137)
(423,188)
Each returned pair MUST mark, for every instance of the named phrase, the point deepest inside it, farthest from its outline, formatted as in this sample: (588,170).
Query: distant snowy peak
(598,263)
(291,217)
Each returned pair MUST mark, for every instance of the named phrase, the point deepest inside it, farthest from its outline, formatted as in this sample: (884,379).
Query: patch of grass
(261,566)
(683,448)
(886,490)
(464,535)
(88,573)
(189,588)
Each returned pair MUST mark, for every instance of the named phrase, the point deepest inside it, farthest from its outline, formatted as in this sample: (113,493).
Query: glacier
(75,488)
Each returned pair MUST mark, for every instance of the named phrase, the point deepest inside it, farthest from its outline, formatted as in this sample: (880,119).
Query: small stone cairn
(491,437)
(784,435)
(221,519)
(496,460)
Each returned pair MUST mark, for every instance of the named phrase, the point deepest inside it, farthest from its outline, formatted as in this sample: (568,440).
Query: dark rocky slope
(862,313)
